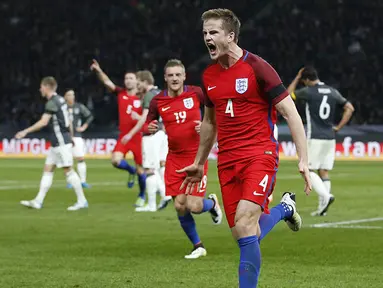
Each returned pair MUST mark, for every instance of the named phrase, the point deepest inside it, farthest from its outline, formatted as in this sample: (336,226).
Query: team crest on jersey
(76,110)
(241,85)
(136,103)
(189,103)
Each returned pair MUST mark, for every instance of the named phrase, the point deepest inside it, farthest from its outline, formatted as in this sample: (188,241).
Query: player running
(179,107)
(127,141)
(60,153)
(243,93)
(77,114)
(321,102)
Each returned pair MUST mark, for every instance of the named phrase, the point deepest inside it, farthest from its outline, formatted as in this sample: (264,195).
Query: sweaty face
(175,77)
(216,38)
(141,86)
(69,97)
(130,81)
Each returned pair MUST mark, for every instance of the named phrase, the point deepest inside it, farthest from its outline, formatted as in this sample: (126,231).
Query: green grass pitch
(110,245)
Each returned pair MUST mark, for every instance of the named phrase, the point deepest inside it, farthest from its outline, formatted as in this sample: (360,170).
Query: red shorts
(134,145)
(253,180)
(173,180)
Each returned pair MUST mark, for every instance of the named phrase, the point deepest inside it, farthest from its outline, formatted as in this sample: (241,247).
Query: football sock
(81,168)
(162,173)
(126,166)
(319,186)
(188,225)
(142,184)
(152,187)
(277,213)
(73,179)
(45,184)
(327,183)
(249,262)
(161,186)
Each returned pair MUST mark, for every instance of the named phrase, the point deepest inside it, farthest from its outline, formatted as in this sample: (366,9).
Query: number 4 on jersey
(229,108)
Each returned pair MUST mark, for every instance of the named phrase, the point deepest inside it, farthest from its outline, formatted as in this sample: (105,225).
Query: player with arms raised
(243,93)
(321,101)
(179,107)
(60,153)
(127,103)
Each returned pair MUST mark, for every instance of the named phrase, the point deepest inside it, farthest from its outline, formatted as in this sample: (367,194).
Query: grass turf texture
(110,245)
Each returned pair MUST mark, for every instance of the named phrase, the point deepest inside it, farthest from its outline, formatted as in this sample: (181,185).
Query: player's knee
(115,162)
(245,222)
(323,174)
(49,168)
(140,170)
(162,163)
(195,205)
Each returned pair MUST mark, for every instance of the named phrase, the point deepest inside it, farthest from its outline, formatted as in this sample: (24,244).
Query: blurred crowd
(60,38)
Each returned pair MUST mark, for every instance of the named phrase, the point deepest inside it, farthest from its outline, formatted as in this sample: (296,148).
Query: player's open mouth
(212,48)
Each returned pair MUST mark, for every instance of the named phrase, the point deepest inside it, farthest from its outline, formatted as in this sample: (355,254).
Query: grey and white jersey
(59,123)
(321,101)
(79,114)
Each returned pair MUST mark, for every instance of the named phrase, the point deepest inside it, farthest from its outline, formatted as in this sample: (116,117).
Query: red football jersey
(243,97)
(178,115)
(127,104)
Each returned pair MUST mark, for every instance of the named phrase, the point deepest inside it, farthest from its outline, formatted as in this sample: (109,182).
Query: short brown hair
(173,63)
(145,75)
(49,81)
(230,21)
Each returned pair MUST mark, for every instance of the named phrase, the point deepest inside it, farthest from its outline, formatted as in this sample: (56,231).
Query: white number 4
(229,108)
(264,181)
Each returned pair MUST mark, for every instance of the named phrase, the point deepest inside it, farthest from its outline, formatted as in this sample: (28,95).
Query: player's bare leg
(198,205)
(188,225)
(324,195)
(45,184)
(82,172)
(73,179)
(324,175)
(251,226)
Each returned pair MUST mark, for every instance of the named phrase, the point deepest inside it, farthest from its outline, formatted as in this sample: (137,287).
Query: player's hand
(299,75)
(336,129)
(21,134)
(80,129)
(126,138)
(194,174)
(305,172)
(135,115)
(153,127)
(198,126)
(95,66)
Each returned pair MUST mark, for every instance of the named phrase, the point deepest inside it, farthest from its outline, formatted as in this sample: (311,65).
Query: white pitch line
(349,227)
(324,225)
(114,184)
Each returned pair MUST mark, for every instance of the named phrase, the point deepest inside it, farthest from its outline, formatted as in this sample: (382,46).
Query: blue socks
(250,262)
(208,204)
(277,213)
(142,184)
(188,225)
(126,166)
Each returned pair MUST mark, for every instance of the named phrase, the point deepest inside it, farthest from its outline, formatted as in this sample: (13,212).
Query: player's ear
(231,36)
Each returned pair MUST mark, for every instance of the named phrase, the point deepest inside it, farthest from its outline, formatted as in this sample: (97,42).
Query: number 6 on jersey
(229,108)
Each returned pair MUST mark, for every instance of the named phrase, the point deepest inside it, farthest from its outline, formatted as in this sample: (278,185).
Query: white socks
(152,186)
(81,168)
(327,183)
(319,186)
(73,179)
(45,184)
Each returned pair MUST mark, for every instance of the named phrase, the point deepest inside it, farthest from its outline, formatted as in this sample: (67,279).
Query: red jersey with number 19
(127,104)
(243,97)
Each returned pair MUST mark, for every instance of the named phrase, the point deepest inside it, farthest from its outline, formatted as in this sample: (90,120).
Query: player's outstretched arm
(287,109)
(102,76)
(35,127)
(348,110)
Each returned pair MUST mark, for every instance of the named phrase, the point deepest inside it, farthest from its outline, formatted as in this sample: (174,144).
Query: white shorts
(61,156)
(154,150)
(79,148)
(321,154)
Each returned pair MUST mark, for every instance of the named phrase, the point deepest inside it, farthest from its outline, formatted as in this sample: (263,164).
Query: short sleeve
(339,98)
(268,78)
(147,99)
(153,111)
(51,108)
(300,94)
(118,89)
